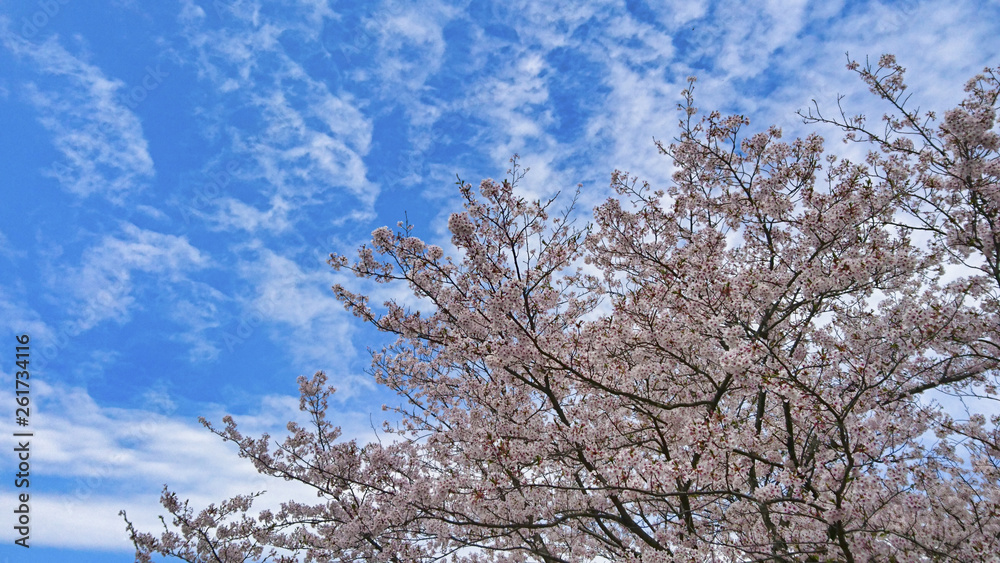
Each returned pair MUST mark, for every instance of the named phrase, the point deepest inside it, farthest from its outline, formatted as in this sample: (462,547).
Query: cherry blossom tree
(751,364)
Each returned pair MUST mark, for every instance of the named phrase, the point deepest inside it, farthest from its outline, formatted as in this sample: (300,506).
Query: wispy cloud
(7,250)
(410,46)
(108,459)
(100,139)
(305,142)
(102,285)
(16,317)
(304,317)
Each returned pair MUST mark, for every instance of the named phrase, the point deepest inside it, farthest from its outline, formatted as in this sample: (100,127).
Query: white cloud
(100,139)
(304,317)
(309,142)
(7,250)
(300,158)
(102,285)
(17,318)
(411,45)
(233,214)
(198,312)
(88,462)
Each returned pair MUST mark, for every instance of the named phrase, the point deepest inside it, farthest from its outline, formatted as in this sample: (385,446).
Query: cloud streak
(305,143)
(103,284)
(108,459)
(100,140)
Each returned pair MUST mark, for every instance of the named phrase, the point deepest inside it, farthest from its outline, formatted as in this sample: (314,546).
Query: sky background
(173,175)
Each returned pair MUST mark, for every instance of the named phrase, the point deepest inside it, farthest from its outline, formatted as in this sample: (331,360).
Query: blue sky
(173,175)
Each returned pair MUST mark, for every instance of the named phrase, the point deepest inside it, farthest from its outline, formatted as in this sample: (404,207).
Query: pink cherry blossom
(741,366)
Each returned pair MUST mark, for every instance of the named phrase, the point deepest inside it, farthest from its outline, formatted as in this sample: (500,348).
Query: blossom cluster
(740,367)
